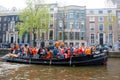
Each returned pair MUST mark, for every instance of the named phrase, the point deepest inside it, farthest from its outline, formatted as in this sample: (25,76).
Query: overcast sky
(19,4)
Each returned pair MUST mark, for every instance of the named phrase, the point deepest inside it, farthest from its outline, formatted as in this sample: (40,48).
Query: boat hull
(97,59)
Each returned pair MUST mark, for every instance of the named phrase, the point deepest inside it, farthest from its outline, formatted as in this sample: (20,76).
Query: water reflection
(14,71)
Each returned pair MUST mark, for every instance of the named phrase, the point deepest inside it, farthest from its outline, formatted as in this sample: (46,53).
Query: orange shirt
(16,47)
(88,51)
(57,44)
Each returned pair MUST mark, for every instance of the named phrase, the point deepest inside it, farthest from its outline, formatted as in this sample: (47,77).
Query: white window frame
(92,25)
(91,18)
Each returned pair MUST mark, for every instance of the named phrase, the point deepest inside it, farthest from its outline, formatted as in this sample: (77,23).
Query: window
(110,26)
(82,35)
(92,27)
(76,25)
(60,25)
(76,35)
(60,36)
(0,27)
(13,18)
(100,19)
(3,39)
(82,26)
(71,15)
(71,25)
(71,35)
(4,28)
(5,18)
(91,18)
(110,19)
(16,18)
(100,12)
(77,15)
(60,15)
(110,38)
(51,25)
(51,9)
(91,12)
(43,36)
(109,11)
(119,23)
(5,24)
(119,36)
(92,36)
(66,36)
(51,35)
(0,19)
(51,15)
(101,26)
(118,14)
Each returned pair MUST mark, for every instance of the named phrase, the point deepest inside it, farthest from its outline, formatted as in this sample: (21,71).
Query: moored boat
(93,59)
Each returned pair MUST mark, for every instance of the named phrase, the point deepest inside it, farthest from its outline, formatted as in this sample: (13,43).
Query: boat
(93,59)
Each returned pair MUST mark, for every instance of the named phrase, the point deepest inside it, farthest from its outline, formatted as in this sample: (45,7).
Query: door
(101,38)
(11,39)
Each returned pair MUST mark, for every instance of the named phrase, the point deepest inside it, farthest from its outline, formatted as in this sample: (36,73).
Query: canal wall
(4,51)
(113,54)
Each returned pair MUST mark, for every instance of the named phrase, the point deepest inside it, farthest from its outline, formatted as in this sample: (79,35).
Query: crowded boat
(58,51)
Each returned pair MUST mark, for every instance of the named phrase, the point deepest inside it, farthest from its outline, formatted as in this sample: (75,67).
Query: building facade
(101,26)
(50,36)
(71,25)
(8,19)
(118,22)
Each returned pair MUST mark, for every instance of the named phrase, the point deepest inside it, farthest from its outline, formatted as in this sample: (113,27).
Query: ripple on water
(9,68)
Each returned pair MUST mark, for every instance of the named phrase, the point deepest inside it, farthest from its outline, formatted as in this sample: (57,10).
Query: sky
(20,4)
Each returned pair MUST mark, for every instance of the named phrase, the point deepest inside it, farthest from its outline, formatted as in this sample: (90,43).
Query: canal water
(14,71)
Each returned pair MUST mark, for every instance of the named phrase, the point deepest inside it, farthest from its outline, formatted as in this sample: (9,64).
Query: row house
(8,20)
(50,36)
(102,26)
(118,22)
(71,25)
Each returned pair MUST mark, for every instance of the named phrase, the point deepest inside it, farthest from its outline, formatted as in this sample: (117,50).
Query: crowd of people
(59,51)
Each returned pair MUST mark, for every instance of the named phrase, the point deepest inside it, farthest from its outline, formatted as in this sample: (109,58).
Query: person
(25,53)
(88,51)
(93,49)
(55,52)
(57,44)
(21,51)
(12,48)
(62,44)
(42,44)
(105,49)
(83,48)
(49,54)
(16,47)
(40,52)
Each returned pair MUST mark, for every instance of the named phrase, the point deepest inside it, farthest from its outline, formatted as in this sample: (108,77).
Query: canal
(14,71)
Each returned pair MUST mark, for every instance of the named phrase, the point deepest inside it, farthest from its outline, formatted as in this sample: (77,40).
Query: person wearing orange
(49,54)
(57,44)
(62,44)
(35,51)
(16,47)
(87,51)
